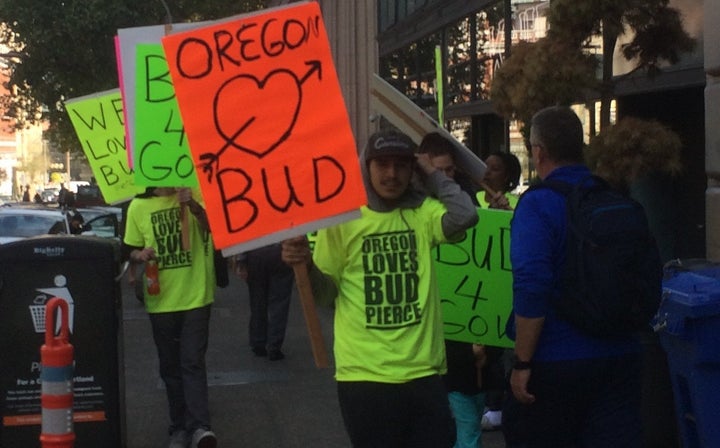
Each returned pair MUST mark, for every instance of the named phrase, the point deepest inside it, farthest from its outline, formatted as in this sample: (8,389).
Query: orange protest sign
(266,123)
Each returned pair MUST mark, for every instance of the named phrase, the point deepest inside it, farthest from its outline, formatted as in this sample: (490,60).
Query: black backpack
(612,278)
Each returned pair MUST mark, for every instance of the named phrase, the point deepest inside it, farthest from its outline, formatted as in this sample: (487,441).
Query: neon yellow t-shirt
(388,318)
(512,199)
(187,278)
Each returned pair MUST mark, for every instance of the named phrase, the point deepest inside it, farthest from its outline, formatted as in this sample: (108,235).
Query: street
(254,402)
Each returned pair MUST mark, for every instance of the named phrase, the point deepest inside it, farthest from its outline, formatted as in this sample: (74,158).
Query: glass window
(412,71)
(391,12)
(30,225)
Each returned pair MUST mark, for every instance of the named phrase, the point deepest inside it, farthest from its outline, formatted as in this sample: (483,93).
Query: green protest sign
(161,152)
(98,123)
(475,280)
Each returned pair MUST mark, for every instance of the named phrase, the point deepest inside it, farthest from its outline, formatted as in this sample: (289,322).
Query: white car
(50,194)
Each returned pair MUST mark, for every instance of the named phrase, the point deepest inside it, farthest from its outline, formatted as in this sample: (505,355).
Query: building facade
(23,159)
(397,39)
(712,130)
(393,38)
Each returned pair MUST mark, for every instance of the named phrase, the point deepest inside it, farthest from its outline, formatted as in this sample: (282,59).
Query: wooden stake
(487,188)
(493,194)
(185,227)
(302,281)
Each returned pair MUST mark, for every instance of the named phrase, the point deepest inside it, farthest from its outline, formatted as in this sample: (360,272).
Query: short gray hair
(559,130)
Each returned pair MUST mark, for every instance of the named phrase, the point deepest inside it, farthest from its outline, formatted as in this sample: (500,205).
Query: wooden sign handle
(302,281)
(487,188)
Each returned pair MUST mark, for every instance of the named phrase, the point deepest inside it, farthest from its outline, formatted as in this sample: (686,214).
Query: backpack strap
(572,194)
(564,188)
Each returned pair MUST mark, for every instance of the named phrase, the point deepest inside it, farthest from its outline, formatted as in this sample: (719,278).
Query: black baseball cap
(390,143)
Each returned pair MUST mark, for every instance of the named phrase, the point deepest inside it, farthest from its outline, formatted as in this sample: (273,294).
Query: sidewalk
(255,403)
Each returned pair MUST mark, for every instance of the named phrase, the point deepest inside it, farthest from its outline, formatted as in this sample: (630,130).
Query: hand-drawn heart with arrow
(247,126)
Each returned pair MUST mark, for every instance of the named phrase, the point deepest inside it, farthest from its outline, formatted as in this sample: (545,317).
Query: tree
(656,29)
(65,49)
(631,148)
(532,79)
(657,36)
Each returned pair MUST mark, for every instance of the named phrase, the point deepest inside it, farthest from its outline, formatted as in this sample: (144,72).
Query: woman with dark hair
(502,176)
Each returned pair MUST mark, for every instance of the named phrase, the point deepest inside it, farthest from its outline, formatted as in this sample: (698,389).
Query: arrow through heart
(256,124)
(247,125)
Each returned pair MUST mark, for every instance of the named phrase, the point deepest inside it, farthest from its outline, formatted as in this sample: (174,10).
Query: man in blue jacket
(569,389)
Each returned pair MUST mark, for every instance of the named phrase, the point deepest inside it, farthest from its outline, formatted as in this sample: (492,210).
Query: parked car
(23,221)
(104,220)
(50,194)
(88,195)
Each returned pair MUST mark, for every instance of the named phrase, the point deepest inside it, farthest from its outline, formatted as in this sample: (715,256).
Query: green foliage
(656,27)
(632,147)
(531,78)
(66,48)
(522,84)
(658,36)
(580,20)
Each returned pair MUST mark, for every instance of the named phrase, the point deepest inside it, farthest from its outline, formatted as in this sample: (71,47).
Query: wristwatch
(517,364)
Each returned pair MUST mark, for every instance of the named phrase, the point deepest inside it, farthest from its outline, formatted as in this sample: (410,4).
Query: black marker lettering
(327,164)
(292,196)
(194,45)
(240,211)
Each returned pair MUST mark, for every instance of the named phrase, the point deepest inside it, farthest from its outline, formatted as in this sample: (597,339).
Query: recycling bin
(688,323)
(82,271)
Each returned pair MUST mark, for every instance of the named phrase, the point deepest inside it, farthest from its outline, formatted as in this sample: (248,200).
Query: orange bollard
(56,356)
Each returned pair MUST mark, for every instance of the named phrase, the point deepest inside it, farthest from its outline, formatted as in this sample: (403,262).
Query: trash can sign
(37,309)
(80,272)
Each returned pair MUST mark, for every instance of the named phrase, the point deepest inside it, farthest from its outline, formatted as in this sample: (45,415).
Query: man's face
(533,145)
(390,176)
(444,163)
(535,148)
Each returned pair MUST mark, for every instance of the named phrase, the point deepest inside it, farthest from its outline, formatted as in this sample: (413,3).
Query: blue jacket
(537,253)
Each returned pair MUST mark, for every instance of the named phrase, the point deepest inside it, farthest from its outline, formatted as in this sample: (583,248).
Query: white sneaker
(203,438)
(491,420)
(178,439)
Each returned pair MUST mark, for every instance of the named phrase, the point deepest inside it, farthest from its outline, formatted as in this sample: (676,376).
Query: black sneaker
(275,355)
(259,351)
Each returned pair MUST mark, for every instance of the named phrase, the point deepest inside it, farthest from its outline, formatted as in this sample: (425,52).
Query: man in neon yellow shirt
(377,272)
(180,313)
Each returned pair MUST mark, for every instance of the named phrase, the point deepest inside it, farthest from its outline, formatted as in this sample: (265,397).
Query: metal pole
(168,16)
(508,17)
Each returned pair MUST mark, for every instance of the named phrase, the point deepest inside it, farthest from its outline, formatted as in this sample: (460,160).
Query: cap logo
(381,143)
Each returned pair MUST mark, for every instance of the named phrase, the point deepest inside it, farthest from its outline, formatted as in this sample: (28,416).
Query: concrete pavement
(254,402)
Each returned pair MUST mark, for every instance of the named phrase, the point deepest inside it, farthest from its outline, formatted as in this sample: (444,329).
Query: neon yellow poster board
(475,280)
(98,123)
(161,152)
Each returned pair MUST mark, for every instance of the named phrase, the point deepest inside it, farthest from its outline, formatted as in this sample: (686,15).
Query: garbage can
(688,323)
(81,271)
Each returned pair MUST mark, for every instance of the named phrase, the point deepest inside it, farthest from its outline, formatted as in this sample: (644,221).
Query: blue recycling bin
(688,323)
